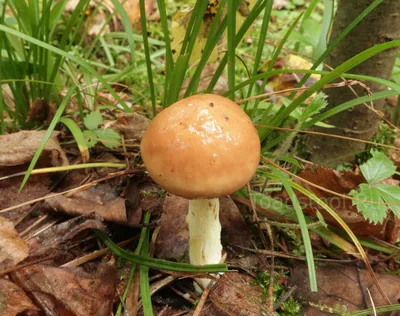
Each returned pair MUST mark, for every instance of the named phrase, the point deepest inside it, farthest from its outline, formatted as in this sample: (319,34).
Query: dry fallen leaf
(12,248)
(102,200)
(341,182)
(19,148)
(279,4)
(57,236)
(65,291)
(172,241)
(344,287)
(13,300)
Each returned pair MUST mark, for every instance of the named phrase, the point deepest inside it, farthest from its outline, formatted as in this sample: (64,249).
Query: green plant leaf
(374,212)
(377,168)
(108,137)
(391,195)
(90,138)
(316,105)
(92,120)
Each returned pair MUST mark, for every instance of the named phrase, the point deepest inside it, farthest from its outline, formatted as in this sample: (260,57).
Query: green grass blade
(348,105)
(143,236)
(158,263)
(144,279)
(342,35)
(75,59)
(303,228)
(231,46)
(128,26)
(375,310)
(254,13)
(78,136)
(143,21)
(327,20)
(46,137)
(307,14)
(169,60)
(261,44)
(211,44)
(274,59)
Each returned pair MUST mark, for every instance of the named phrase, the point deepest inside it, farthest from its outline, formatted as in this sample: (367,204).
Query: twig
(285,297)
(95,254)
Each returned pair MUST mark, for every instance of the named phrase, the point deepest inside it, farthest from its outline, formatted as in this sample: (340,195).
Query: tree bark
(380,26)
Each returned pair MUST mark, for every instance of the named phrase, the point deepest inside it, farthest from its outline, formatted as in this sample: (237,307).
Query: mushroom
(201,148)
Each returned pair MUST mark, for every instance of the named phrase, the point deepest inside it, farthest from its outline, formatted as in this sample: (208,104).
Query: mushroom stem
(204,233)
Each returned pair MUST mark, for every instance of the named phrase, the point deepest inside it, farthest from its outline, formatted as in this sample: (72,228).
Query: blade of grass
(128,26)
(69,56)
(307,14)
(303,228)
(158,263)
(211,44)
(143,21)
(46,137)
(274,59)
(248,22)
(231,15)
(261,44)
(78,136)
(144,279)
(143,236)
(342,35)
(327,20)
(169,61)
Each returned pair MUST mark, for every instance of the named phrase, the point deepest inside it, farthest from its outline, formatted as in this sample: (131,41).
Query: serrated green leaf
(374,212)
(90,138)
(108,137)
(92,120)
(377,168)
(391,195)
(316,105)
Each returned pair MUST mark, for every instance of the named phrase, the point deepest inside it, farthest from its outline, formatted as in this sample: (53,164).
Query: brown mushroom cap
(204,146)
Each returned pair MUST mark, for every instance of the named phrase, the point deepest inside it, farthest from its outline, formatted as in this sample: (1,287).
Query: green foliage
(373,198)
(288,308)
(107,136)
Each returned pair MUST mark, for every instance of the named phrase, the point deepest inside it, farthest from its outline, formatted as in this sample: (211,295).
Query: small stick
(285,297)
(91,256)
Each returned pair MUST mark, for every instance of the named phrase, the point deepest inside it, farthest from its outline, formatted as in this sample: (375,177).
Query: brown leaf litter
(343,287)
(12,248)
(341,182)
(13,300)
(66,291)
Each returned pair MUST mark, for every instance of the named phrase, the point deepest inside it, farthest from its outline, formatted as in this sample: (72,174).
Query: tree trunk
(381,25)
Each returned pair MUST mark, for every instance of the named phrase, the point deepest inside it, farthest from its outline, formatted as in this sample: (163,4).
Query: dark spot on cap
(172,170)
(212,104)
(159,175)
(226,117)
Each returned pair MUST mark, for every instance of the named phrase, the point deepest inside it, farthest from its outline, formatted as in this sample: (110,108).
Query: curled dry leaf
(13,300)
(19,148)
(64,291)
(343,287)
(172,241)
(55,237)
(101,200)
(12,248)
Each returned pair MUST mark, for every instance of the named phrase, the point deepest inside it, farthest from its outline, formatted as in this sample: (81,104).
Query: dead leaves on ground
(12,248)
(342,288)
(341,182)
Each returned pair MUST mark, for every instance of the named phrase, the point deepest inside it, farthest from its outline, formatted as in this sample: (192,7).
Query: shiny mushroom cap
(204,146)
